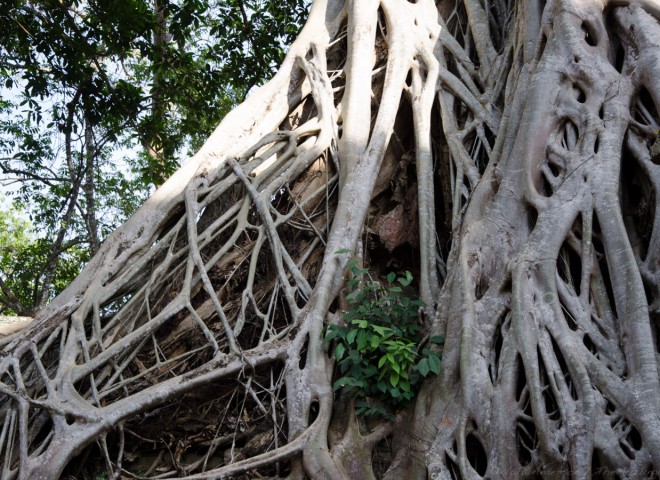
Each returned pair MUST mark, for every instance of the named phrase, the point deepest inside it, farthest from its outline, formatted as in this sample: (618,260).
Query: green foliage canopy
(99,100)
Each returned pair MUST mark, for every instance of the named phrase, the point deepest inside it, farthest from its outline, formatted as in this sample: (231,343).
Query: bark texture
(505,152)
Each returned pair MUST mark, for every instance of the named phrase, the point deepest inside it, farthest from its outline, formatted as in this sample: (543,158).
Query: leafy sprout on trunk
(380,351)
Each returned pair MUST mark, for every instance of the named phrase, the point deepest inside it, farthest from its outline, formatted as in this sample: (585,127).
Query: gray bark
(523,135)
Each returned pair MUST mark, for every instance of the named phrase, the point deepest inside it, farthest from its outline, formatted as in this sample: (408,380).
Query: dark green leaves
(252,36)
(377,349)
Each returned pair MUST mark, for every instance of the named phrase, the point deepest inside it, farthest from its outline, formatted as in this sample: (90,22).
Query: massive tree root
(519,139)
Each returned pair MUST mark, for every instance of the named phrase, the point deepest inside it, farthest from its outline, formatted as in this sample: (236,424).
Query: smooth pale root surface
(10,325)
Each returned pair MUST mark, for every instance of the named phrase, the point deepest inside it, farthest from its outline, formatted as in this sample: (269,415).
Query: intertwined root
(554,348)
(522,139)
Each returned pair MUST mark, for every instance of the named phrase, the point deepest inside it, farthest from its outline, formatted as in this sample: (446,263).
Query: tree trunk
(518,138)
(89,187)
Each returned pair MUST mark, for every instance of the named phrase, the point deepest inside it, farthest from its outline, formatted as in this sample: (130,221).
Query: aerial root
(214,312)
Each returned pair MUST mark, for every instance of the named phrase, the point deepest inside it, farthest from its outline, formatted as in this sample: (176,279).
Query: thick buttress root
(524,135)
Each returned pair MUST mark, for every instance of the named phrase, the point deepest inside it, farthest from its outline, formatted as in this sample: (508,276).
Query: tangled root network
(505,152)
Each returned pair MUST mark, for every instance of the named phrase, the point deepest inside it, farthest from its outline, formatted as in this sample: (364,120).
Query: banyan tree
(503,152)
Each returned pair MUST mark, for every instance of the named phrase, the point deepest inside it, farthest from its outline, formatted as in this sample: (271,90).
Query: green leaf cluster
(378,348)
(23,258)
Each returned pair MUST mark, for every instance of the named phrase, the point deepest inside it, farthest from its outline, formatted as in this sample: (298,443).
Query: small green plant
(378,352)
